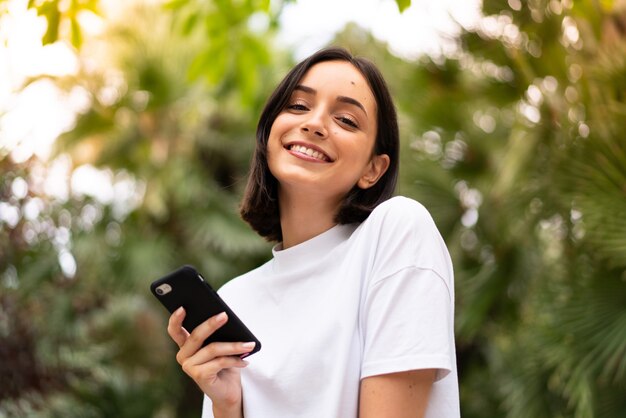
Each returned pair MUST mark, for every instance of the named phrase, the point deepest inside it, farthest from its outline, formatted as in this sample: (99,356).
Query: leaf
(189,23)
(403,4)
(50,10)
(77,37)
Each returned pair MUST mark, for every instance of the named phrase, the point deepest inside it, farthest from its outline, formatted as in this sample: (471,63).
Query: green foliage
(232,55)
(534,108)
(63,14)
(403,4)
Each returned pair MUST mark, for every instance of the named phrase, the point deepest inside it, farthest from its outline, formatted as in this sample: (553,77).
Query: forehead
(340,78)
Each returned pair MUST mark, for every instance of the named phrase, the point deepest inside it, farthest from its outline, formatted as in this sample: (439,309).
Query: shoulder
(402,233)
(401,215)
(400,203)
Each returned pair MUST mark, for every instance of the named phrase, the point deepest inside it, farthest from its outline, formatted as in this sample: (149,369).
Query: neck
(305,216)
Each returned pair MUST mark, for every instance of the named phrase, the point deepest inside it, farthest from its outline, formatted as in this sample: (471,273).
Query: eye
(297,106)
(348,121)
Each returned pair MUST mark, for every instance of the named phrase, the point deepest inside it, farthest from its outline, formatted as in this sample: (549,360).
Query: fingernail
(248,345)
(221,317)
(179,311)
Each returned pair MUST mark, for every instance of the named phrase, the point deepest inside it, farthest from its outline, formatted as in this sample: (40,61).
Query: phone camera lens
(163,289)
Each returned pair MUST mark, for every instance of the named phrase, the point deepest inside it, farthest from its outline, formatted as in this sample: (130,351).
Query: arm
(397,395)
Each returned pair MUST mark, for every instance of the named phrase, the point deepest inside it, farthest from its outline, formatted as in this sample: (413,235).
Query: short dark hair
(259,206)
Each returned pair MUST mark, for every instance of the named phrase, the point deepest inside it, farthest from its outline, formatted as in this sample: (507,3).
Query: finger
(208,371)
(217,350)
(175,327)
(201,333)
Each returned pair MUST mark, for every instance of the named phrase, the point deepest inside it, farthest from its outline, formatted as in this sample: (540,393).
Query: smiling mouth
(309,152)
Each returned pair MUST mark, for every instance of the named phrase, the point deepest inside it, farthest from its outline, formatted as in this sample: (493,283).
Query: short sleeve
(406,324)
(207,407)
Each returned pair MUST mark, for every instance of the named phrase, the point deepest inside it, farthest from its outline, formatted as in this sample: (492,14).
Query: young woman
(355,310)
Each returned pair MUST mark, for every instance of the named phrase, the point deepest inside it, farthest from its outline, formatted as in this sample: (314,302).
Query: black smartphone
(187,288)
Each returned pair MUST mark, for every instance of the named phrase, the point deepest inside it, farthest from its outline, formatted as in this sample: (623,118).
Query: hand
(214,368)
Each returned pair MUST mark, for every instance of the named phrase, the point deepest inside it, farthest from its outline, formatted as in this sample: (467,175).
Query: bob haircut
(259,206)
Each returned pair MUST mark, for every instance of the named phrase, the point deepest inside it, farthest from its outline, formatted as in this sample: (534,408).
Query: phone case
(192,292)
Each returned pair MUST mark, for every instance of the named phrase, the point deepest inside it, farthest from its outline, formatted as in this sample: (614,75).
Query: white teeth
(308,151)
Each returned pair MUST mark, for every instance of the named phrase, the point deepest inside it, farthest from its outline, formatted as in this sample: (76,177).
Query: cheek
(274,137)
(280,124)
(283,126)
(274,145)
(359,150)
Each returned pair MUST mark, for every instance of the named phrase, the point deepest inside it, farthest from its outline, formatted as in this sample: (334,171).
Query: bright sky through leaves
(306,26)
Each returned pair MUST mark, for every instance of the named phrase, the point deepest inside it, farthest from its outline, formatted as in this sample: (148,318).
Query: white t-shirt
(356,301)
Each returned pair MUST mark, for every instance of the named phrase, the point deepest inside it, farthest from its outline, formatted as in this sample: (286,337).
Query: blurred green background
(514,140)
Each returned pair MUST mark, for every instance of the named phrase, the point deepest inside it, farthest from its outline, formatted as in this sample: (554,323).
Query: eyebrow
(344,99)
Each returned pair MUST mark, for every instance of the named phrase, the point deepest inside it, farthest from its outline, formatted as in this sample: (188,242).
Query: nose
(315,125)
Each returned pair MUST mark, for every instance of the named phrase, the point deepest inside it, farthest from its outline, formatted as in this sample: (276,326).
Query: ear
(375,169)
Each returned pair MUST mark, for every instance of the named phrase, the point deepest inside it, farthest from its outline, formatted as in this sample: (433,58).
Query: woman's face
(322,142)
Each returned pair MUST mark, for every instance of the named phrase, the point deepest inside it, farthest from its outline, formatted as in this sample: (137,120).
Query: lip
(304,156)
